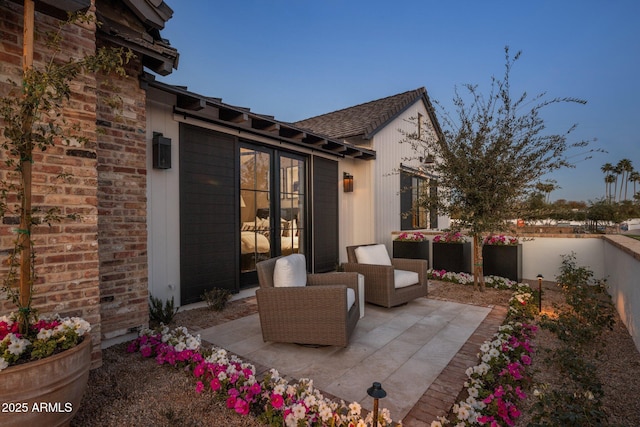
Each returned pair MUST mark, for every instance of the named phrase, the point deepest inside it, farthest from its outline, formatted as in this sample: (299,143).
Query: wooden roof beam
(191,103)
(260,123)
(233,116)
(292,133)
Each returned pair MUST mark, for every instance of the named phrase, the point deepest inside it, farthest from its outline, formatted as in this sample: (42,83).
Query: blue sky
(295,59)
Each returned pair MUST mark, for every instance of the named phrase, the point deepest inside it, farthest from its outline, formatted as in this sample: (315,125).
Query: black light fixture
(377,392)
(161,151)
(540,277)
(347,182)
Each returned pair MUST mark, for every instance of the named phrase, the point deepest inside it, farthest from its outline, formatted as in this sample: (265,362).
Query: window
(414,188)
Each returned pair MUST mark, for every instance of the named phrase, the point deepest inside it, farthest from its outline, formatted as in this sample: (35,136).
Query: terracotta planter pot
(503,261)
(46,392)
(453,257)
(411,250)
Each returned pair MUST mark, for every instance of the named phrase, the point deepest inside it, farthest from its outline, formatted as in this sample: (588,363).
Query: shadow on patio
(418,351)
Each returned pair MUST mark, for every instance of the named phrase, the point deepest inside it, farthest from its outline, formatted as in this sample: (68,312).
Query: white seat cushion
(373,254)
(351,298)
(290,271)
(404,278)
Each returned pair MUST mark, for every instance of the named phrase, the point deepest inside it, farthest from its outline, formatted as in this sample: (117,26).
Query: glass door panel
(255,200)
(292,196)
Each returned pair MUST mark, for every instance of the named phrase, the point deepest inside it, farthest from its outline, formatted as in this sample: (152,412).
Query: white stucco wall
(542,255)
(623,280)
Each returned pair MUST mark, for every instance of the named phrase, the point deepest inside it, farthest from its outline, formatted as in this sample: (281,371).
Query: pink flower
(255,388)
(241,407)
(521,394)
(199,370)
(215,384)
(485,419)
(199,387)
(231,402)
(526,360)
(277,400)
(146,351)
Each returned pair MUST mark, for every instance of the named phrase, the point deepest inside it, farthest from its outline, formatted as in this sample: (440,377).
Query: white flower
(3,364)
(324,411)
(463,412)
(17,345)
(44,334)
(193,343)
(299,411)
(473,392)
(355,408)
(310,401)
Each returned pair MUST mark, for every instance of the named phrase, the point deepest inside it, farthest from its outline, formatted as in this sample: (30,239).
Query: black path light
(377,392)
(540,277)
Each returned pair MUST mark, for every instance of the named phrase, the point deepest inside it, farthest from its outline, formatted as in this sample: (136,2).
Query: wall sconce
(161,151)
(540,277)
(377,392)
(347,183)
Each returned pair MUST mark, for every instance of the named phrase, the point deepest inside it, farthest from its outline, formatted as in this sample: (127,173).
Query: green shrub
(588,311)
(161,313)
(216,298)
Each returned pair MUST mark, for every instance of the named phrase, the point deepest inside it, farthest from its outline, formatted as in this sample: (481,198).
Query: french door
(272,206)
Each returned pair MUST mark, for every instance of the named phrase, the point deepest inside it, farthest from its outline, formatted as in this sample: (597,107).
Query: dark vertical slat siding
(325,214)
(208,217)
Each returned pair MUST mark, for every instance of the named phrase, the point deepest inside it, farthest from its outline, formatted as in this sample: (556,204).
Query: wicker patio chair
(313,314)
(379,280)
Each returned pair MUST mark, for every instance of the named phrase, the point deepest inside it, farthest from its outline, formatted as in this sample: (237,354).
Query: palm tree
(626,167)
(617,169)
(607,168)
(609,179)
(635,178)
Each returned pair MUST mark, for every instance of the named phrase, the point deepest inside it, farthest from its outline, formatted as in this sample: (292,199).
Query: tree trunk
(478,276)
(24,233)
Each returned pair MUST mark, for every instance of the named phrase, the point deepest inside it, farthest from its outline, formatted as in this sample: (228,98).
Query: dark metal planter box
(503,261)
(454,257)
(412,250)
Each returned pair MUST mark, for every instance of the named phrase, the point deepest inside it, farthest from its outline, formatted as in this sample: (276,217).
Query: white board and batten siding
(389,155)
(163,203)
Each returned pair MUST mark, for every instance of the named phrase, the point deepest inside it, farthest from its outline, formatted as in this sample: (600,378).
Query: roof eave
(189,103)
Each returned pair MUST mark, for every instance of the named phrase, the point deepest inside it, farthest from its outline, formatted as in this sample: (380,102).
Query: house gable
(361,122)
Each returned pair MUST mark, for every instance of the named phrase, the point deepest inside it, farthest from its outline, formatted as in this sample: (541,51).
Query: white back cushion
(373,254)
(290,271)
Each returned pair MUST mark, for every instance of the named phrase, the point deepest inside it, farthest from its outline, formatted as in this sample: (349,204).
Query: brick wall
(122,205)
(67,253)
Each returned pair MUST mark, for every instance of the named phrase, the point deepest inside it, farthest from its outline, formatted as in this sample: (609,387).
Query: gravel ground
(129,390)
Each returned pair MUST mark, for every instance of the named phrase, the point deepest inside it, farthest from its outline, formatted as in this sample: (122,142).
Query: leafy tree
(32,117)
(490,156)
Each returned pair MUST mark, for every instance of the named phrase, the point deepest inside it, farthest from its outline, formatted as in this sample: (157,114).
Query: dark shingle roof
(364,119)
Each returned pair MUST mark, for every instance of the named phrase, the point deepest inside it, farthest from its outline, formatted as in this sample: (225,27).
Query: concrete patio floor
(418,351)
